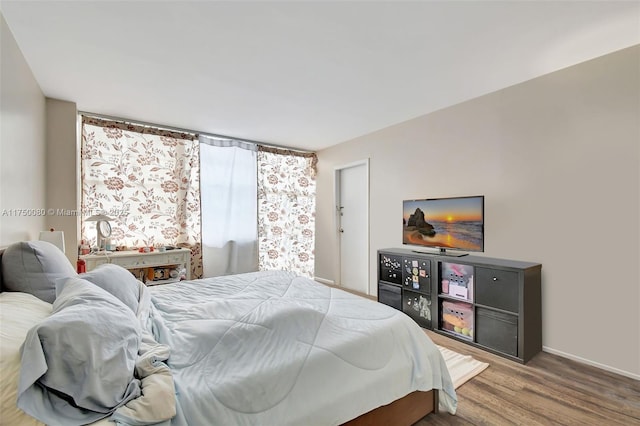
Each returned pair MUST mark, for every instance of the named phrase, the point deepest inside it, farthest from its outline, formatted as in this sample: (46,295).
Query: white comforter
(271,348)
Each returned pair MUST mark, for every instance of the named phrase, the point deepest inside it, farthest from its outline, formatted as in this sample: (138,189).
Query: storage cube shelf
(494,304)
(456,280)
(457,318)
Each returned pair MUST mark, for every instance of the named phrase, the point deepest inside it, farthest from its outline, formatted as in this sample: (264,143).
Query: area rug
(462,368)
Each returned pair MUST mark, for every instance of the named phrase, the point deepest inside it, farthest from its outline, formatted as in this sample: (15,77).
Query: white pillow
(18,313)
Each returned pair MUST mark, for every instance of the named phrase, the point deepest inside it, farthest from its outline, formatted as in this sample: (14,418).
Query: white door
(352,210)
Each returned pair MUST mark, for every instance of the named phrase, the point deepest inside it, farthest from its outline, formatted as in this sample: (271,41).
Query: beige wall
(557,159)
(22,145)
(38,146)
(61,175)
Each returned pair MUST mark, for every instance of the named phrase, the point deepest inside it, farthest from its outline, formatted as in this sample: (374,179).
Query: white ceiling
(302,74)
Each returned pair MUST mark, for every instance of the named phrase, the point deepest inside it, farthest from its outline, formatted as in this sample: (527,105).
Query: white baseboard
(591,363)
(324,281)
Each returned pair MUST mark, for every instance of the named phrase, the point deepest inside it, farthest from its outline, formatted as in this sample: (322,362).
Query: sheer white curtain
(228,191)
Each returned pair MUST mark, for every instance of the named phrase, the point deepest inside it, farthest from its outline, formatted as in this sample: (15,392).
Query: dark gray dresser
(494,304)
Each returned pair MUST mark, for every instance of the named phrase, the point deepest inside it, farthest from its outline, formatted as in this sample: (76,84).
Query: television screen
(445,223)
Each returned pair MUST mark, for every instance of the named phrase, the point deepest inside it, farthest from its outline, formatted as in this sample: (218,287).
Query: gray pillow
(33,267)
(117,281)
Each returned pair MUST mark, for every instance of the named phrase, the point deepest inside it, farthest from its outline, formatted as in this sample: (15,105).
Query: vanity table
(145,265)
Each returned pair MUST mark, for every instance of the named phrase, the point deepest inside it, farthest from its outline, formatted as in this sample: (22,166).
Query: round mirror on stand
(103,230)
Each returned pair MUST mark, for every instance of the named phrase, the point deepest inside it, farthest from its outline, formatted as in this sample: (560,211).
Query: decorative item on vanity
(84,248)
(54,237)
(103,230)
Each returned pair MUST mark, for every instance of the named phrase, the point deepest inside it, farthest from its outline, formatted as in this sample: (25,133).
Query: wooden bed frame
(401,412)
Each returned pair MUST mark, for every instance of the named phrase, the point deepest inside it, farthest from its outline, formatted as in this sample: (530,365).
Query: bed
(263,348)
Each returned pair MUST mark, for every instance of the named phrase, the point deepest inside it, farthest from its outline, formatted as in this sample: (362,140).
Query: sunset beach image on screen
(450,223)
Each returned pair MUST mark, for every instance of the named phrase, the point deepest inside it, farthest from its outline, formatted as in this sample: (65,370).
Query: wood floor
(548,390)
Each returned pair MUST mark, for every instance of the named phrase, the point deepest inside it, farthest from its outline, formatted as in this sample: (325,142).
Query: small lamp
(103,229)
(54,237)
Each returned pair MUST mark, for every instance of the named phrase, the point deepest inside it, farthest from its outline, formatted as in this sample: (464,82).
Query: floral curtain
(147,180)
(286,210)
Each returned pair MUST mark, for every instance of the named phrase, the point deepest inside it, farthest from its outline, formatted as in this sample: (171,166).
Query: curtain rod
(179,129)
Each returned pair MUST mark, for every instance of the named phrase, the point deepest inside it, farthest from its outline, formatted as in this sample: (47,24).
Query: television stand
(492,304)
(442,252)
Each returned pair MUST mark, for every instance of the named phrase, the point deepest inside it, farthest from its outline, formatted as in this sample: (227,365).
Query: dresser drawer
(418,307)
(94,263)
(390,295)
(177,257)
(497,330)
(497,288)
(139,261)
(159,259)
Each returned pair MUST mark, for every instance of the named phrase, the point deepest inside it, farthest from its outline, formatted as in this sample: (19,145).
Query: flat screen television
(455,223)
